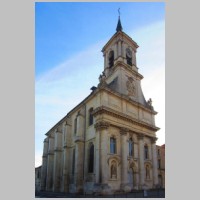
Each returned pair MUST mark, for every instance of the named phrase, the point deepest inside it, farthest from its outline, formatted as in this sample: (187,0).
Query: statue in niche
(113,171)
(147,172)
(130,86)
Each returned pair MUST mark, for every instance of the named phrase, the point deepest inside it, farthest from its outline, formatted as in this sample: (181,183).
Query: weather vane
(119,12)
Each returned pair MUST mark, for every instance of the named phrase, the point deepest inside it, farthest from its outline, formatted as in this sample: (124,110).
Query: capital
(101,125)
(140,136)
(123,131)
(153,140)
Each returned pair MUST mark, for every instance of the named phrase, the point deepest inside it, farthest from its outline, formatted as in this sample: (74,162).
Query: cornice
(119,63)
(58,149)
(109,111)
(121,35)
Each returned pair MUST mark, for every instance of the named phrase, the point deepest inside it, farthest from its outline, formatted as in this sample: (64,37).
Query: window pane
(112,145)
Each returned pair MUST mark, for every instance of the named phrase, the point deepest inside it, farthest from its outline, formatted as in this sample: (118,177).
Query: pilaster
(50,165)
(141,159)
(57,160)
(44,165)
(155,164)
(124,162)
(66,154)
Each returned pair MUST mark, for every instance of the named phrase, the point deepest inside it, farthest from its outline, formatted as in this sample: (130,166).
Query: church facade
(106,143)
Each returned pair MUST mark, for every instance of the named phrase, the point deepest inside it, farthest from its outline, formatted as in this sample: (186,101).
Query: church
(107,143)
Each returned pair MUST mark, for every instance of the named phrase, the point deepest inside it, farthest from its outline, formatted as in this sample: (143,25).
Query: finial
(119,26)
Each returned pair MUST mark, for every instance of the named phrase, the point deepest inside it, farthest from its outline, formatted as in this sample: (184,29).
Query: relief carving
(130,84)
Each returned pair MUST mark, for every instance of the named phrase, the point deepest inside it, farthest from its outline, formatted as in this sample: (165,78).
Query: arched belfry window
(129,56)
(91,159)
(90,116)
(131,147)
(113,144)
(111,58)
(146,156)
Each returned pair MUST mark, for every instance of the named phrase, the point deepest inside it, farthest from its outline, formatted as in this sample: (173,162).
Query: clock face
(128,53)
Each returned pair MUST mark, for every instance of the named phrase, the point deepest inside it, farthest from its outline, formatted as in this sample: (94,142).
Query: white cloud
(38,159)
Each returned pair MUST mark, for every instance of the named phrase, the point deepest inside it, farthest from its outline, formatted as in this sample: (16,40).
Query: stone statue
(149,102)
(113,171)
(102,80)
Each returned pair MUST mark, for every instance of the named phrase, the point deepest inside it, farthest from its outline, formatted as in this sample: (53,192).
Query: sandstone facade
(107,142)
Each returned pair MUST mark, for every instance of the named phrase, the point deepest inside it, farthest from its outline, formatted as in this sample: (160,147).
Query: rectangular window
(113,145)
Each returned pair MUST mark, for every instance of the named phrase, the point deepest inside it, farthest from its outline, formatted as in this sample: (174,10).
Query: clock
(128,53)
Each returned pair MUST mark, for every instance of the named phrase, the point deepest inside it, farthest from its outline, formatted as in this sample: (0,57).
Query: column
(154,159)
(66,154)
(57,159)
(141,159)
(44,165)
(124,161)
(50,163)
(102,151)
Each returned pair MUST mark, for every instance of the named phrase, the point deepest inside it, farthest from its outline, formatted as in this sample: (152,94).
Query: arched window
(129,56)
(146,152)
(113,170)
(113,145)
(147,172)
(91,159)
(111,58)
(131,147)
(90,117)
(75,125)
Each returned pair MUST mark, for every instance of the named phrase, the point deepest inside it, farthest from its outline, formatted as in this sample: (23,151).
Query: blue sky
(68,59)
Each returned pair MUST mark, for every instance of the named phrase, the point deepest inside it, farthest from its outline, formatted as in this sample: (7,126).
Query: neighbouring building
(38,178)
(108,141)
(161,165)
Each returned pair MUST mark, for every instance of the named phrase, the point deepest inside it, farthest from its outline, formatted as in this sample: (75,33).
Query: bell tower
(120,66)
(119,48)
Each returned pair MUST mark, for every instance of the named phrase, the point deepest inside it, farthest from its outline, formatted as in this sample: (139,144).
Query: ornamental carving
(123,131)
(130,84)
(101,125)
(153,140)
(140,136)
